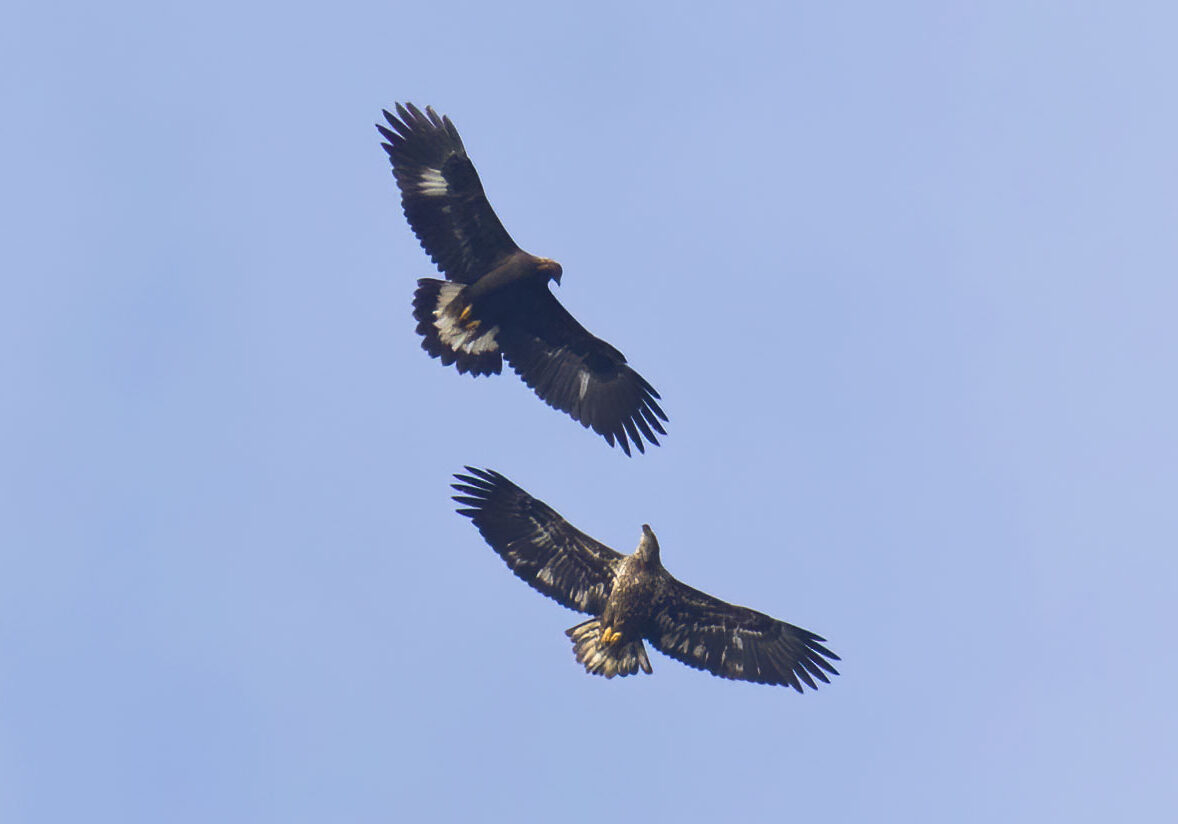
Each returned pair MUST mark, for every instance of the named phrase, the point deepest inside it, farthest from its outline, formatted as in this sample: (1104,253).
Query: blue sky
(905,276)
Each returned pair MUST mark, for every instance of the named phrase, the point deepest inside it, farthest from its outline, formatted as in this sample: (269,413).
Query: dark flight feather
(737,642)
(577,373)
(538,545)
(442,195)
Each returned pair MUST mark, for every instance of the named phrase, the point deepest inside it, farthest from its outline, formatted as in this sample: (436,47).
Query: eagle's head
(648,546)
(551,268)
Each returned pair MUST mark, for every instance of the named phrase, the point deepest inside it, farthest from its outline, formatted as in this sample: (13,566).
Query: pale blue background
(906,276)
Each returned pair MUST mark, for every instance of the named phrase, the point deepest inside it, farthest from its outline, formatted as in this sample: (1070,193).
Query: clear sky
(906,276)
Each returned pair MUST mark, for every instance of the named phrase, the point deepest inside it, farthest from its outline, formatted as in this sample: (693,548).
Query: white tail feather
(451,331)
(607,660)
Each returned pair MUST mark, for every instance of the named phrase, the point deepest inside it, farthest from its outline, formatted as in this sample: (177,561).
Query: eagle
(633,597)
(495,302)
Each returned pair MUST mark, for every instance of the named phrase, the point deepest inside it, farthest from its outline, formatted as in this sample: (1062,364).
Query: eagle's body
(634,598)
(639,585)
(495,302)
(519,271)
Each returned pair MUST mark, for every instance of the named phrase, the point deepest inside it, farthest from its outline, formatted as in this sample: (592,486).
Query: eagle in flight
(633,597)
(495,302)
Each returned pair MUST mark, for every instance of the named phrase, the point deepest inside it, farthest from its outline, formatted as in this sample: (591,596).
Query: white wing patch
(736,667)
(432,183)
(584,387)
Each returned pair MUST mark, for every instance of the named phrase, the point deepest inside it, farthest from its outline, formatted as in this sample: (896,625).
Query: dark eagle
(495,300)
(634,597)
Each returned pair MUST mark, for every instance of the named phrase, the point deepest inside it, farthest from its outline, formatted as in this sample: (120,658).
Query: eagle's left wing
(577,373)
(736,642)
(442,196)
(541,547)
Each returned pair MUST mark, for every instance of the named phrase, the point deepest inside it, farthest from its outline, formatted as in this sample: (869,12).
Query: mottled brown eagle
(634,597)
(495,301)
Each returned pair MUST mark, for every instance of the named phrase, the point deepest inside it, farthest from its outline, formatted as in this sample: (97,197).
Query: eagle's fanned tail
(599,659)
(437,307)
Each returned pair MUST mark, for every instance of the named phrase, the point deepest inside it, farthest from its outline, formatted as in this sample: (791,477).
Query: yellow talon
(610,636)
(469,325)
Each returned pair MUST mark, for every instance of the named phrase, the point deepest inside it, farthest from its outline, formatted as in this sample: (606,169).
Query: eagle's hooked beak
(552,269)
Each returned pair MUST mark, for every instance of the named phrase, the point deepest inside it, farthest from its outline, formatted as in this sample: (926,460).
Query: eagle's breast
(630,603)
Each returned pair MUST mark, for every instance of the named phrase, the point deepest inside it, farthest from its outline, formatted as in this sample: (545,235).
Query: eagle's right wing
(541,547)
(737,642)
(577,373)
(442,195)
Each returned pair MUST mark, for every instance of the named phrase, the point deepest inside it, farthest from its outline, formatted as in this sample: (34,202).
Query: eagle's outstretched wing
(737,642)
(541,547)
(442,196)
(577,373)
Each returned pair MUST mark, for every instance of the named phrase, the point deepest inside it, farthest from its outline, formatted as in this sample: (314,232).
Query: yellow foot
(610,636)
(469,324)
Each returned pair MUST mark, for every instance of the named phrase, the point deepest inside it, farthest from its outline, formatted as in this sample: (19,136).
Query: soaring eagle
(495,300)
(633,597)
